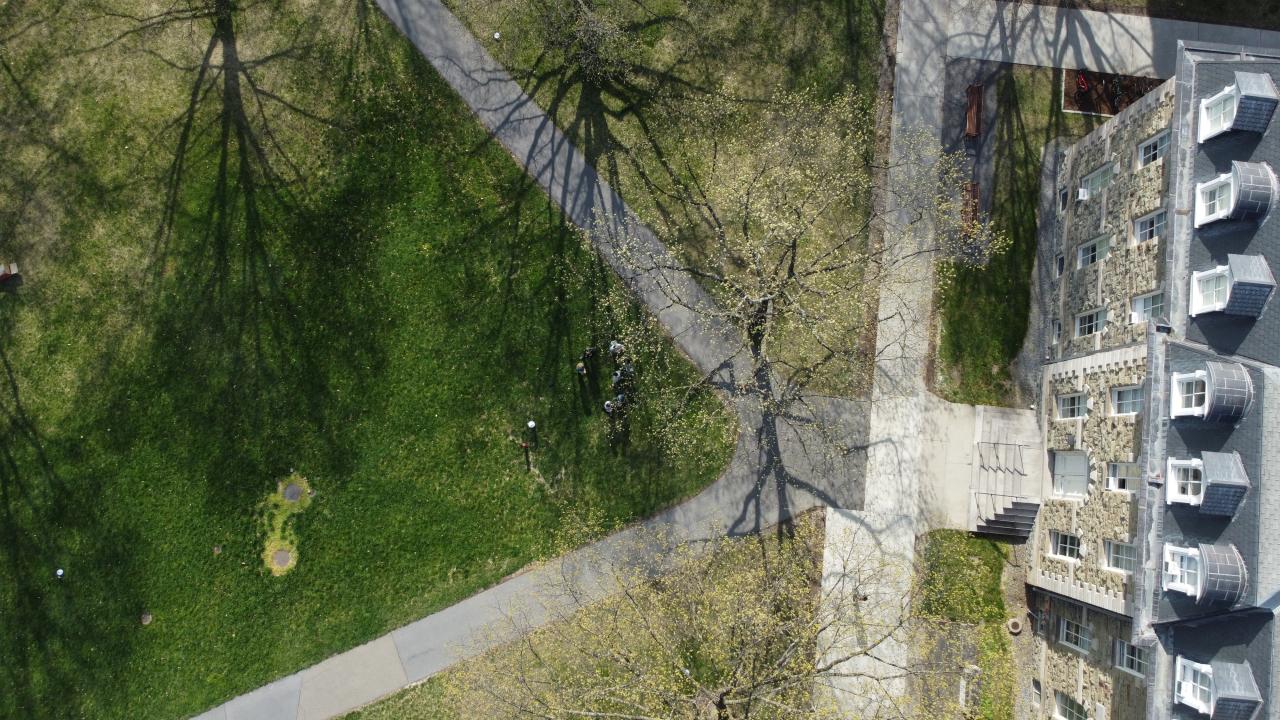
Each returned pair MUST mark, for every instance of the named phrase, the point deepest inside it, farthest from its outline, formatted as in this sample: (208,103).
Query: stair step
(1001,532)
(997,522)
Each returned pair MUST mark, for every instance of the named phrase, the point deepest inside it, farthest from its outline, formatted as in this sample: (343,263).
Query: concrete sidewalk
(1031,34)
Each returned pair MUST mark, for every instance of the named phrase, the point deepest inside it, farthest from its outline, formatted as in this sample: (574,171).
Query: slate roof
(1240,627)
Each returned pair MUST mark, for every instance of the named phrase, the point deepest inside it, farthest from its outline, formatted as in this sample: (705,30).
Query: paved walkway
(1080,39)
(775,472)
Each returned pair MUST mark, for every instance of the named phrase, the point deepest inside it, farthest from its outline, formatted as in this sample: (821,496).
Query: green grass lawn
(960,583)
(380,313)
(983,311)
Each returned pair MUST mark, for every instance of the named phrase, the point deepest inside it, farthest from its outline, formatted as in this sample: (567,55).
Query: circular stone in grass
(281,559)
(293,492)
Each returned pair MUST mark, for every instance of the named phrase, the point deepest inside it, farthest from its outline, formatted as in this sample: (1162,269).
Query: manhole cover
(293,492)
(281,558)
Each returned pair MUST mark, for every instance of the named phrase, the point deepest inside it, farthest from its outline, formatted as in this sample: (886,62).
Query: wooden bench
(972,203)
(973,116)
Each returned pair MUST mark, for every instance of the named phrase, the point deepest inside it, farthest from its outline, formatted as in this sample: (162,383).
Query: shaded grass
(385,331)
(983,312)
(960,583)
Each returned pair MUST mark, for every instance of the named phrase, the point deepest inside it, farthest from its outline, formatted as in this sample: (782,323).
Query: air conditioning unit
(1082,194)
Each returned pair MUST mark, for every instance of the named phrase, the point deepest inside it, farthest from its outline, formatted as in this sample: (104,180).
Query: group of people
(623,374)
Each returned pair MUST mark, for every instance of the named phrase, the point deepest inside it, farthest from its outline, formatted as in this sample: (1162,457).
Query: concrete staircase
(1005,486)
(1007,517)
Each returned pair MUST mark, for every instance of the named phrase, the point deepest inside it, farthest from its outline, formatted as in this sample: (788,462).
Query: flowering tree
(723,629)
(775,217)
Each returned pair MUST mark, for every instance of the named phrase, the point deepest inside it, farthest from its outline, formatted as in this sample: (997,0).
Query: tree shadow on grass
(59,629)
(259,287)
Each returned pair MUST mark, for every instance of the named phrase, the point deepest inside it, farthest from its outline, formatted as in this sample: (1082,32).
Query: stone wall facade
(1086,588)
(1100,514)
(1090,678)
(1130,268)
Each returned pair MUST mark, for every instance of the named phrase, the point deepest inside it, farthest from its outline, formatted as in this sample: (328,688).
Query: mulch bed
(1102,93)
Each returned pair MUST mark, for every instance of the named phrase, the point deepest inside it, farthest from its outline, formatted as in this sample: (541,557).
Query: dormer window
(1247,105)
(1216,391)
(1210,290)
(1214,199)
(1186,482)
(1218,112)
(1190,394)
(1193,685)
(1182,570)
(1241,287)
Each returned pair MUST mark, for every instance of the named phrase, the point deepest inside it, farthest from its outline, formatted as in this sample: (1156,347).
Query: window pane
(1153,149)
(1120,475)
(1127,401)
(1189,481)
(1216,198)
(1192,393)
(1150,228)
(1120,556)
(1219,113)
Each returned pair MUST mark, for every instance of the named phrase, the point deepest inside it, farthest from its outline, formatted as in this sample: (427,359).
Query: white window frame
(1081,407)
(1155,225)
(1129,658)
(1071,709)
(1198,676)
(1037,692)
(1118,481)
(1100,323)
(1112,549)
(1157,144)
(1230,94)
(1176,579)
(1198,306)
(1095,251)
(1060,265)
(1058,540)
(1067,628)
(1148,307)
(1172,492)
(1093,185)
(1116,400)
(1055,332)
(1177,396)
(1220,210)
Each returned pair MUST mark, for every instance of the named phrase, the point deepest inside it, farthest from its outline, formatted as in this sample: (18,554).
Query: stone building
(1152,592)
